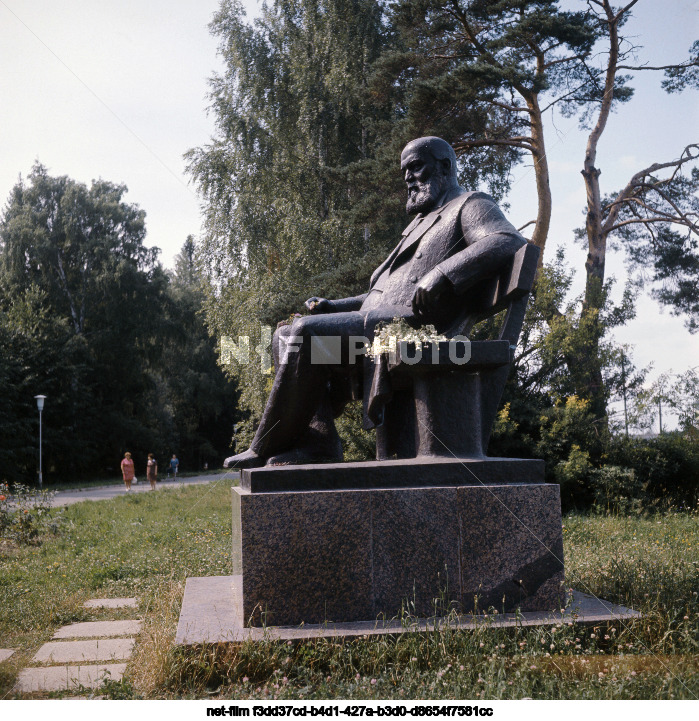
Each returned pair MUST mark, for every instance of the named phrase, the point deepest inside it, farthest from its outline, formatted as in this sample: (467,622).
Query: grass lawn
(147,544)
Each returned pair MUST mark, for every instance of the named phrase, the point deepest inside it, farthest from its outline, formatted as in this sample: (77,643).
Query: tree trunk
(322,190)
(541,174)
(591,367)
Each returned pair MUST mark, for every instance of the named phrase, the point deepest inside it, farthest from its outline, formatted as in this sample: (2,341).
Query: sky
(117,89)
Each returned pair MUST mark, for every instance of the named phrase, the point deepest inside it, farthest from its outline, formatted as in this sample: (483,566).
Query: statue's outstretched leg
(297,424)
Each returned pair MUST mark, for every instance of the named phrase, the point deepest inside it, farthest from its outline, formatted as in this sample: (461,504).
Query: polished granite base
(421,472)
(209,615)
(359,554)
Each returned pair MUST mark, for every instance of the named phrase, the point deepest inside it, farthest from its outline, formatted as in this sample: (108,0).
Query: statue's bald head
(438,148)
(429,170)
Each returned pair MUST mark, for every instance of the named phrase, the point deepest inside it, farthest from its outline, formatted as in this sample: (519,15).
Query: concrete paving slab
(5,653)
(111,603)
(59,678)
(109,649)
(92,629)
(211,614)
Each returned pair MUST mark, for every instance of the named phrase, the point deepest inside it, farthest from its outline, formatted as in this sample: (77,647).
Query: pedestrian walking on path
(127,470)
(174,466)
(152,471)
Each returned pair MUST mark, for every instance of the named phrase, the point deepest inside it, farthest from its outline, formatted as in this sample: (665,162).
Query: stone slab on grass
(5,653)
(60,678)
(109,649)
(92,629)
(211,614)
(111,603)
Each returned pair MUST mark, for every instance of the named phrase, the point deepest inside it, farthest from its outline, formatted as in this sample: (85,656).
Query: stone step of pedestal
(60,678)
(110,649)
(5,653)
(111,603)
(93,629)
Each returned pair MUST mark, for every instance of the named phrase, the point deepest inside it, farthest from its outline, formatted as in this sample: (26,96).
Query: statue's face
(424,177)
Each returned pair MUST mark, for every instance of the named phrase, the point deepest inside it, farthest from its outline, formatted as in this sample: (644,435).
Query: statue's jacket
(469,240)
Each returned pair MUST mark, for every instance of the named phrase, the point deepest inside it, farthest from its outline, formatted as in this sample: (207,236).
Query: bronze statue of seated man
(457,240)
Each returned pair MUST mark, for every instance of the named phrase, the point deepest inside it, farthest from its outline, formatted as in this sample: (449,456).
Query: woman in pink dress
(127,470)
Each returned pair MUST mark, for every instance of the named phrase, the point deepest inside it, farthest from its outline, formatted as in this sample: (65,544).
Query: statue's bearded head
(429,170)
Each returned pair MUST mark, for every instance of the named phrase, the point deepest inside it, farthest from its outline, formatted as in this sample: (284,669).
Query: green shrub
(571,444)
(618,490)
(613,474)
(23,512)
(666,467)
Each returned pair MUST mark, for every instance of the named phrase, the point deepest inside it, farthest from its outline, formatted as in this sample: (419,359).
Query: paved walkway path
(100,493)
(85,662)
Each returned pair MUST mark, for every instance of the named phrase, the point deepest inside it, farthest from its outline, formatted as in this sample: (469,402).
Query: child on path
(174,465)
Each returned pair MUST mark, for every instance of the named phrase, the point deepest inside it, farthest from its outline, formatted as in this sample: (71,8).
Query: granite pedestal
(336,551)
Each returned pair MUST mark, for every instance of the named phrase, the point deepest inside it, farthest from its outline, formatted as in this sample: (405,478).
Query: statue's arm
(342,305)
(492,242)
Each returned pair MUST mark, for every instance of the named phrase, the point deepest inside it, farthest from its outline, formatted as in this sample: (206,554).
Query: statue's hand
(428,292)
(318,305)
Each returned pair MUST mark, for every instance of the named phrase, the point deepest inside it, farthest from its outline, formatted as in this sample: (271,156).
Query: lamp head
(40,402)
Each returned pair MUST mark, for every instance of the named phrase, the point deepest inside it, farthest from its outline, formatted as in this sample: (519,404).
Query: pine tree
(487,71)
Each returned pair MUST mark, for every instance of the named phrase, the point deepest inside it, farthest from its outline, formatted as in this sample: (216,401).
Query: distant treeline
(89,318)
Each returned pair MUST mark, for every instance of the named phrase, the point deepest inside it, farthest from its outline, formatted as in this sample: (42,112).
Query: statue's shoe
(303,456)
(246,459)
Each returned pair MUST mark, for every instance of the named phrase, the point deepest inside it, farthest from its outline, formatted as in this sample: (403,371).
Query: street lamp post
(40,405)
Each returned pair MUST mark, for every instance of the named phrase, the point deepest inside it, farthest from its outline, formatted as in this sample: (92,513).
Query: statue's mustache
(421,195)
(417,189)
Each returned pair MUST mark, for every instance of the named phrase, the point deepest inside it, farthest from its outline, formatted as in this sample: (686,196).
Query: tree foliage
(302,195)
(84,249)
(201,402)
(284,180)
(87,318)
(491,70)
